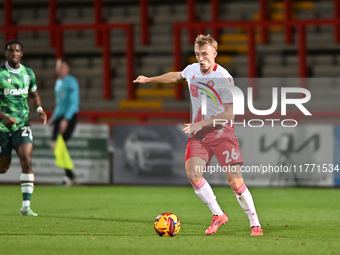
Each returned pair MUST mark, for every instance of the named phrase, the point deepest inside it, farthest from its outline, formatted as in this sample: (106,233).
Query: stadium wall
(307,155)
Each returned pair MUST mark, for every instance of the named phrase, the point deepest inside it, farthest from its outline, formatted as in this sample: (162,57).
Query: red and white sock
(204,191)
(245,200)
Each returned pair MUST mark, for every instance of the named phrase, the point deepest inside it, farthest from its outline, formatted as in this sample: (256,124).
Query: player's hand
(43,116)
(63,126)
(50,121)
(9,121)
(53,143)
(192,128)
(141,79)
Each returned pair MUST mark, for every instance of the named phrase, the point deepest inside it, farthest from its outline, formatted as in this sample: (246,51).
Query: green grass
(119,220)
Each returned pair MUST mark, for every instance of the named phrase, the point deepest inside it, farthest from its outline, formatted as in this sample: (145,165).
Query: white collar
(12,70)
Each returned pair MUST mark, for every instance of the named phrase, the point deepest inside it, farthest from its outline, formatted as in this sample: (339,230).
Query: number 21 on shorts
(233,155)
(26,131)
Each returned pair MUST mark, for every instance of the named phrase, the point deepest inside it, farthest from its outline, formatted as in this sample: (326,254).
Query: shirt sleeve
(184,73)
(33,84)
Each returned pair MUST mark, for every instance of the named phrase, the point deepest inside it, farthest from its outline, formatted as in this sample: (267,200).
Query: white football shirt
(211,87)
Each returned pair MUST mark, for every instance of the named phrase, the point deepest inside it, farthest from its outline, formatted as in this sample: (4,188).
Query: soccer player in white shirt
(207,139)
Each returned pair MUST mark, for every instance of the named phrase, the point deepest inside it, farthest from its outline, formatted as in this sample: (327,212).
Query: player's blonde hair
(203,40)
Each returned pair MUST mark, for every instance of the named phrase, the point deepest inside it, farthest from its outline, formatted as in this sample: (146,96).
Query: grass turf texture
(119,220)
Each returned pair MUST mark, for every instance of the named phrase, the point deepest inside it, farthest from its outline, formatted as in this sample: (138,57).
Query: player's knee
(235,183)
(195,181)
(4,169)
(187,171)
(5,163)
(194,177)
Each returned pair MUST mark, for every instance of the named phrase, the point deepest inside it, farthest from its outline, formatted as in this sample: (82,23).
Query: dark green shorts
(9,140)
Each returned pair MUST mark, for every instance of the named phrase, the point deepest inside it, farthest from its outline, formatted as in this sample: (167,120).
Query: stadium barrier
(301,156)
(306,155)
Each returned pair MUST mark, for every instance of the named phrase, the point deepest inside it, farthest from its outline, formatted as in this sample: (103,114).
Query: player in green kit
(17,82)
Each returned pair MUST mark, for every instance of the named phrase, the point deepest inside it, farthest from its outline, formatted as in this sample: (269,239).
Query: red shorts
(227,152)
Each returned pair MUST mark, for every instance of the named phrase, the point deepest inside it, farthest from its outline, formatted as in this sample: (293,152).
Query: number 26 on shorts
(233,155)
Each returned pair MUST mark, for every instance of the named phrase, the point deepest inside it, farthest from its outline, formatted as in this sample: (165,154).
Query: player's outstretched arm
(170,77)
(34,96)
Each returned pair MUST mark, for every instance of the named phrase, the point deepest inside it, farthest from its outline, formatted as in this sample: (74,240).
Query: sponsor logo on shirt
(16,92)
(210,86)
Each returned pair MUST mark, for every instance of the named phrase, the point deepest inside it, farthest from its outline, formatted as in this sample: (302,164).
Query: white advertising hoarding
(88,149)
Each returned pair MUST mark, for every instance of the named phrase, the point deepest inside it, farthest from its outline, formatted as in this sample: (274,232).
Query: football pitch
(119,220)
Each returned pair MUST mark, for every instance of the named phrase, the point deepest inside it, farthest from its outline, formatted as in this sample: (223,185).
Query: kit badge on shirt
(26,80)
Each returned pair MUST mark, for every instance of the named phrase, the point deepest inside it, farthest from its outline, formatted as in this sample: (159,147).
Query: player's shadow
(98,219)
